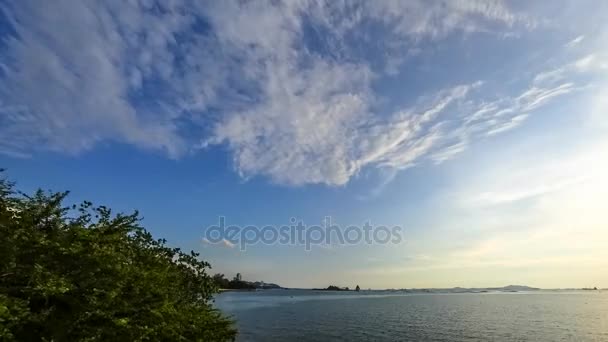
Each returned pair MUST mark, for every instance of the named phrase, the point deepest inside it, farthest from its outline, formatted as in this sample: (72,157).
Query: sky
(480,127)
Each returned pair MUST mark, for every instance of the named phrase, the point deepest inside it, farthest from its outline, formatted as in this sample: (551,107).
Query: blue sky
(478,126)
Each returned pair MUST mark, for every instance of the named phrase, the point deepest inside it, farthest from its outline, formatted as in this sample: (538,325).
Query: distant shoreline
(454,290)
(236,290)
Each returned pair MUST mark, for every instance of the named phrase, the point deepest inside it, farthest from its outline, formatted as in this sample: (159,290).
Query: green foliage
(85,274)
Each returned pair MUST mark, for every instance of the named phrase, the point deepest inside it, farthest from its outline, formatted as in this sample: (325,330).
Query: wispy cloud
(71,70)
(575,41)
(224,243)
(290,88)
(513,183)
(589,63)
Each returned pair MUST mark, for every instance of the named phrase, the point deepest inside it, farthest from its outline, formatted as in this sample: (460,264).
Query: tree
(357,288)
(236,283)
(85,274)
(220,281)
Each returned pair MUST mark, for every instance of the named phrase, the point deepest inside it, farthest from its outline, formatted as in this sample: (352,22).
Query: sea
(306,315)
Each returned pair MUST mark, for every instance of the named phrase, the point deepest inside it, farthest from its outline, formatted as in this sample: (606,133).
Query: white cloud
(523,180)
(450,151)
(508,125)
(436,18)
(315,124)
(168,75)
(489,118)
(223,243)
(68,76)
(227,243)
(589,64)
(592,62)
(575,41)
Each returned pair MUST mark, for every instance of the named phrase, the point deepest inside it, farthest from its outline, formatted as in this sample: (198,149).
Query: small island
(337,288)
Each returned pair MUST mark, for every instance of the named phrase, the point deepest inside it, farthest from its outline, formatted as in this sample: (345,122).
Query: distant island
(237,283)
(337,288)
(333,288)
(514,288)
(508,288)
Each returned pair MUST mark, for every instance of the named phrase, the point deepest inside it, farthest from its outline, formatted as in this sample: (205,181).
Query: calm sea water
(299,315)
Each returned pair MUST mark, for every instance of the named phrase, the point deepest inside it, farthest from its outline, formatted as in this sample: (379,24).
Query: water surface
(302,315)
